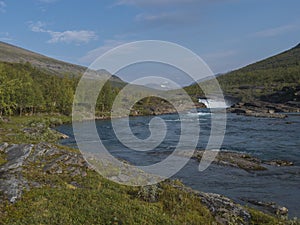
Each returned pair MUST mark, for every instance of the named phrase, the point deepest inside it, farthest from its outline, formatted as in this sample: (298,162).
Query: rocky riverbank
(238,160)
(263,109)
(38,176)
(27,164)
(47,158)
(286,100)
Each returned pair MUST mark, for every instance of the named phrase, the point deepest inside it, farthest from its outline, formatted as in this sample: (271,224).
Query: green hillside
(25,89)
(32,83)
(264,78)
(275,76)
(13,54)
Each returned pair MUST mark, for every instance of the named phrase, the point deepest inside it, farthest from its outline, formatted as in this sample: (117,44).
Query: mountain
(275,79)
(14,54)
(285,59)
(265,78)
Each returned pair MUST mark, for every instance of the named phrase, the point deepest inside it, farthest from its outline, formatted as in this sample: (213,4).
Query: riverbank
(36,174)
(263,109)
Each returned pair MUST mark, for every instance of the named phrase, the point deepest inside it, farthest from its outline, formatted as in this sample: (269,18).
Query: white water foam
(213,104)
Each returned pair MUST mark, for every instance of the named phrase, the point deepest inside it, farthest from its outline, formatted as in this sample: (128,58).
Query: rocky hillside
(13,54)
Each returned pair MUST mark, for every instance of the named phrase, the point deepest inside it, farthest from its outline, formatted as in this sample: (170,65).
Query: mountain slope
(265,78)
(285,59)
(275,79)
(13,54)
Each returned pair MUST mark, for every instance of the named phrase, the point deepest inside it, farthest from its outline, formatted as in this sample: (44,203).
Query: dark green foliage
(265,77)
(28,90)
(259,79)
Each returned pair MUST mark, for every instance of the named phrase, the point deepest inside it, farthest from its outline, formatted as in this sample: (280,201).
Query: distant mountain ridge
(13,54)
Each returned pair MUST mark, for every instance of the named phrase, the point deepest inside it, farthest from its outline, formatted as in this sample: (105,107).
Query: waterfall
(213,103)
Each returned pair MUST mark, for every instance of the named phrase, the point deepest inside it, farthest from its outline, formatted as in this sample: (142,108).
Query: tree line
(25,89)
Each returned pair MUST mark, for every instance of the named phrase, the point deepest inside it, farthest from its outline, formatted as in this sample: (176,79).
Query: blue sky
(227,34)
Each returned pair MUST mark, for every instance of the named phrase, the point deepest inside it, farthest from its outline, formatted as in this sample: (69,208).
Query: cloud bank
(68,36)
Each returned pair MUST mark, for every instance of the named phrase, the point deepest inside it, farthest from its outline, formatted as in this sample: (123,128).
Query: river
(264,138)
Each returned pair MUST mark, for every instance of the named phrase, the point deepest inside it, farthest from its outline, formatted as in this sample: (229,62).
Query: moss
(258,217)
(99,201)
(38,129)
(2,159)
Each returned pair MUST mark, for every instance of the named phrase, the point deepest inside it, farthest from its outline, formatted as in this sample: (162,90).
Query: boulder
(263,109)
(224,209)
(43,155)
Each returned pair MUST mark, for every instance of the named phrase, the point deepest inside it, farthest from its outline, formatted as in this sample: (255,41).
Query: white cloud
(95,53)
(5,36)
(272,32)
(68,36)
(77,36)
(37,27)
(2,7)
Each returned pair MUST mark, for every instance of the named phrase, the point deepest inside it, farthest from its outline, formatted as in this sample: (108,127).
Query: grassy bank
(92,199)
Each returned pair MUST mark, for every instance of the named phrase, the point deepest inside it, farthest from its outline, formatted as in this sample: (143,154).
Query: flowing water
(264,138)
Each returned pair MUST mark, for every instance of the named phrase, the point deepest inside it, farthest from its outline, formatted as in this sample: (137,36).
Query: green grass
(13,130)
(100,201)
(258,79)
(261,218)
(95,200)
(2,159)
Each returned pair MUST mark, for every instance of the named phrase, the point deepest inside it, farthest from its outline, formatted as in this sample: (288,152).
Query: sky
(226,34)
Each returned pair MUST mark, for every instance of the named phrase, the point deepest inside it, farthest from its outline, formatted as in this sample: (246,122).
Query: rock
(16,155)
(45,156)
(233,159)
(12,182)
(61,135)
(279,163)
(263,109)
(224,209)
(237,159)
(286,94)
(76,185)
(266,115)
(76,172)
(295,104)
(270,207)
(150,193)
(64,136)
(3,147)
(12,185)
(238,111)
